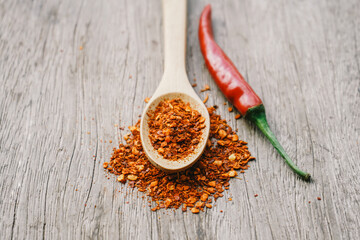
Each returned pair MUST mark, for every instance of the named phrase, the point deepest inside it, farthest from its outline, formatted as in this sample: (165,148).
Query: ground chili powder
(194,188)
(175,129)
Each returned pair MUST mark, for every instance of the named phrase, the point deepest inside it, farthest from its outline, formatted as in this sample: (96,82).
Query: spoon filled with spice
(175,124)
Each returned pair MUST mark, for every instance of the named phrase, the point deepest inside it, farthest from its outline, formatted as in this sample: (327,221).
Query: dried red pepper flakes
(206,88)
(175,129)
(194,188)
(105,164)
(206,98)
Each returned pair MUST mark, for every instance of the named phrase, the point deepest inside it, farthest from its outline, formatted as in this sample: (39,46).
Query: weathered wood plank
(71,71)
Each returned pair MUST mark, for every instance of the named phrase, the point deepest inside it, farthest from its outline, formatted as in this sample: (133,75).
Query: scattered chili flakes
(194,85)
(206,98)
(175,129)
(147,100)
(230,109)
(195,210)
(105,164)
(319,198)
(237,116)
(81,48)
(193,188)
(256,195)
(206,88)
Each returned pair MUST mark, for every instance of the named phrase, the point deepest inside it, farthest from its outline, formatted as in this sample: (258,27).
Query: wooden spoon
(174,84)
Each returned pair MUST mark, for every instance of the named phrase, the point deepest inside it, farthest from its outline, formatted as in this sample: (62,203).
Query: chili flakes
(194,188)
(175,129)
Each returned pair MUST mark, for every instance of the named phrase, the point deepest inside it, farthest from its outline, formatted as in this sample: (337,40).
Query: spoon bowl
(158,160)
(174,84)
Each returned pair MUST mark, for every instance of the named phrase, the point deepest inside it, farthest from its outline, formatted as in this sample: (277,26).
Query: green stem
(257,116)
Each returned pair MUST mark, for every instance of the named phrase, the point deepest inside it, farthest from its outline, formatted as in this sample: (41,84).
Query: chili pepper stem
(257,116)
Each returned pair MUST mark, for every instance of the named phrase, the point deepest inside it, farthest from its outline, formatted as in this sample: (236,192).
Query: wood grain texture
(71,70)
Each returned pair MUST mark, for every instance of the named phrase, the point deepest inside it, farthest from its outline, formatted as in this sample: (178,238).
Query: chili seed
(191,200)
(140,167)
(232,173)
(204,197)
(134,151)
(153,184)
(195,210)
(167,202)
(222,134)
(218,163)
(132,177)
(232,157)
(212,184)
(121,178)
(105,164)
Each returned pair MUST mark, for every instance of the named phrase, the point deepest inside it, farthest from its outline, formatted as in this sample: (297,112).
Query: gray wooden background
(72,71)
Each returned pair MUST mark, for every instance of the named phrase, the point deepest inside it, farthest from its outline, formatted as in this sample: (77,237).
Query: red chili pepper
(235,88)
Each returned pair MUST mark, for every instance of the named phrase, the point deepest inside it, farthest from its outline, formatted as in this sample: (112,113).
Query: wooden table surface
(70,71)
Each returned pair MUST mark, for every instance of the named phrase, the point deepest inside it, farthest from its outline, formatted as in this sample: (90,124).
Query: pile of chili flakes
(194,188)
(175,129)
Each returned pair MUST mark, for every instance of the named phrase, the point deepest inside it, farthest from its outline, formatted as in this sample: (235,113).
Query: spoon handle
(174,20)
